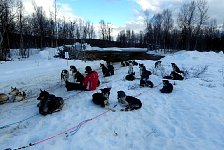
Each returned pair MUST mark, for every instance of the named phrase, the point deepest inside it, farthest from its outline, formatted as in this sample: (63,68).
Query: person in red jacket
(91,81)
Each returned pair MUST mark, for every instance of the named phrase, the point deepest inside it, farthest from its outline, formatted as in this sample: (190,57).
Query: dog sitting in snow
(78,77)
(110,68)
(130,68)
(130,102)
(102,99)
(64,75)
(176,74)
(105,70)
(17,95)
(74,70)
(167,87)
(49,103)
(3,98)
(144,73)
(158,64)
(130,77)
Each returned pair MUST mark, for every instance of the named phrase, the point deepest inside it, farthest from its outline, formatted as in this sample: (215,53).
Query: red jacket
(91,81)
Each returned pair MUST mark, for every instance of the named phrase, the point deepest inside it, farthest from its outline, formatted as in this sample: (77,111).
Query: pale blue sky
(116,12)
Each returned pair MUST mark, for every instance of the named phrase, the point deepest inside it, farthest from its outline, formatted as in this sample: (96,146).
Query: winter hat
(88,69)
(121,94)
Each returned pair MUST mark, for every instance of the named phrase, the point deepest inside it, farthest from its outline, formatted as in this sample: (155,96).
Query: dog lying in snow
(17,95)
(49,103)
(130,103)
(3,98)
(102,99)
(146,83)
(130,77)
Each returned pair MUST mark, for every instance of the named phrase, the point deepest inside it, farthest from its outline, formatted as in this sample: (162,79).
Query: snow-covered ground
(191,117)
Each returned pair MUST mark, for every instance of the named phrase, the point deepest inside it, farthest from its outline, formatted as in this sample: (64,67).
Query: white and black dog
(78,77)
(74,70)
(105,70)
(49,103)
(176,74)
(110,68)
(144,73)
(130,102)
(146,83)
(158,64)
(64,75)
(17,95)
(102,99)
(130,68)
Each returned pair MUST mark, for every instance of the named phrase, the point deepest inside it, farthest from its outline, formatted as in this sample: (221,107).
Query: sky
(122,14)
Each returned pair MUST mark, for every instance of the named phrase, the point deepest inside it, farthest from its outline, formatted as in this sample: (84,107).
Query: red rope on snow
(64,132)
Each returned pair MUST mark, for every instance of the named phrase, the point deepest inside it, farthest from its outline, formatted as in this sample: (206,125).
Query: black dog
(49,103)
(130,77)
(79,77)
(70,86)
(129,102)
(64,75)
(73,69)
(124,63)
(105,70)
(167,87)
(143,72)
(158,64)
(110,68)
(134,63)
(101,98)
(176,74)
(146,83)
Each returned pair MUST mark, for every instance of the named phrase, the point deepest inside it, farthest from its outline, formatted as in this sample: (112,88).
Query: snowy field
(190,118)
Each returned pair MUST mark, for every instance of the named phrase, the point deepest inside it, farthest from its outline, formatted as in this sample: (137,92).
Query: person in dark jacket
(130,102)
(167,87)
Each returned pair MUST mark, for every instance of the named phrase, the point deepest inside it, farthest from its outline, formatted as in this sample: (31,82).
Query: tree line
(193,29)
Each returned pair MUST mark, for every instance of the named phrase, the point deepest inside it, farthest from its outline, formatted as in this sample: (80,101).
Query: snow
(191,117)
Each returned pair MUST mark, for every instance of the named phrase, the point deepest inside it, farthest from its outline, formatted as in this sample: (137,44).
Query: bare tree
(167,26)
(7,14)
(186,20)
(40,22)
(103,29)
(202,17)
